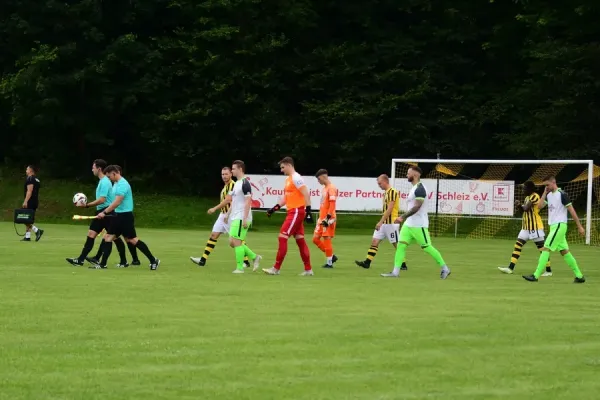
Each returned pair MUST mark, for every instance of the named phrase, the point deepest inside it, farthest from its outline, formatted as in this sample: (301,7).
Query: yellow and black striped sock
(516,253)
(540,246)
(246,260)
(210,246)
(371,254)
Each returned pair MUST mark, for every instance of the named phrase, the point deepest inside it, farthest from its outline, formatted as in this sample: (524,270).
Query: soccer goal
(476,198)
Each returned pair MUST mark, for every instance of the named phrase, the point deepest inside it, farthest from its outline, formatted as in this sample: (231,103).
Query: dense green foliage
(175,88)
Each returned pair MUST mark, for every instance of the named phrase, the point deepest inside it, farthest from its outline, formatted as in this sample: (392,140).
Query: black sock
(106,250)
(144,249)
(98,255)
(133,251)
(121,249)
(87,247)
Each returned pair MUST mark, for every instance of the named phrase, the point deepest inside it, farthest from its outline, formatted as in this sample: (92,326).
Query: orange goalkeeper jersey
(328,200)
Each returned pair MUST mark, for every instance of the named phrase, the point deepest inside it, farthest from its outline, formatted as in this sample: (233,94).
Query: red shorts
(294,222)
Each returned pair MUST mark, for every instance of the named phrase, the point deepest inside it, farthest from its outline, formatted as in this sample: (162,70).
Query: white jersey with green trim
(420,219)
(557,201)
(241,190)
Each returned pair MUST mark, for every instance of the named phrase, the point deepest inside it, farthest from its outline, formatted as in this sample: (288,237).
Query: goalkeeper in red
(415,226)
(297,201)
(559,206)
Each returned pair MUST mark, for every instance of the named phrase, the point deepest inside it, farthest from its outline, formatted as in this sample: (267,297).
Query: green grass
(185,332)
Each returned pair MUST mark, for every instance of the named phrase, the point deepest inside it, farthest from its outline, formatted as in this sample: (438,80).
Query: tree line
(173,89)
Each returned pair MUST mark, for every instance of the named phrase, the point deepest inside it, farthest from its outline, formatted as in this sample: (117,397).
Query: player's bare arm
(542,202)
(304,191)
(527,206)
(226,200)
(118,200)
(415,209)
(99,200)
(28,195)
(247,207)
(576,219)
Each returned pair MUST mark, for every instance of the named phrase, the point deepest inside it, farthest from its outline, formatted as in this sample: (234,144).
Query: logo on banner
(501,192)
(257,195)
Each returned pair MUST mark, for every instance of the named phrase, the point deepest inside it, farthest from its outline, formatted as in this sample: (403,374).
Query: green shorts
(557,238)
(237,231)
(420,235)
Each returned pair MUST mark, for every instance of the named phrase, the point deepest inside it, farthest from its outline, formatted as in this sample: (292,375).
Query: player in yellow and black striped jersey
(532,228)
(386,226)
(221,225)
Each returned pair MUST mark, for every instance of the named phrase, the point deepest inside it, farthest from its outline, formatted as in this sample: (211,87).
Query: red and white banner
(467,197)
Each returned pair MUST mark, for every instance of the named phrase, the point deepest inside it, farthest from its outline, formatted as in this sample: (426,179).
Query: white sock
(329,260)
(396,271)
(27,235)
(35,228)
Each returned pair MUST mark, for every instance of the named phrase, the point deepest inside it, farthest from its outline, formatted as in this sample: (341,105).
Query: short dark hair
(529,186)
(226,167)
(34,168)
(100,164)
(240,164)
(320,172)
(550,178)
(112,168)
(417,169)
(287,160)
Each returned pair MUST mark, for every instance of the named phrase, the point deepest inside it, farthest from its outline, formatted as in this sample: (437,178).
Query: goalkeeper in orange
(325,229)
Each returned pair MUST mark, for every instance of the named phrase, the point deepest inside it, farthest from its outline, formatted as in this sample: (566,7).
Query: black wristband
(328,216)
(277,207)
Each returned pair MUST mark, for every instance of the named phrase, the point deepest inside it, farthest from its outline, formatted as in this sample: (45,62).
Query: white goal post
(589,164)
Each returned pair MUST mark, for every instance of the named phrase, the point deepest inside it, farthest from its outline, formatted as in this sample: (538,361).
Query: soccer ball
(80,199)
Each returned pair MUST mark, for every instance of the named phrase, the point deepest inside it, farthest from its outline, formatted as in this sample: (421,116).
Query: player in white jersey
(415,226)
(559,206)
(240,217)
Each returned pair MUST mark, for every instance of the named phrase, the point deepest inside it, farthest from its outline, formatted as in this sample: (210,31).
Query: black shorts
(122,224)
(97,225)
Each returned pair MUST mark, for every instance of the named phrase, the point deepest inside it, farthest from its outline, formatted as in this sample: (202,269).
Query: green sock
(400,255)
(249,253)
(239,257)
(433,252)
(542,261)
(571,262)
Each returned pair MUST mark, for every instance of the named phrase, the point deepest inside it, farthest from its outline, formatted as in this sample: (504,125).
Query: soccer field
(186,332)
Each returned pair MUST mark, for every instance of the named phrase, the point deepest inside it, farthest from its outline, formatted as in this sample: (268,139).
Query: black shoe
(327,266)
(136,263)
(97,266)
(155,264)
(75,262)
(38,234)
(246,264)
(123,265)
(334,259)
(92,260)
(404,267)
(530,278)
(364,264)
(579,280)
(26,240)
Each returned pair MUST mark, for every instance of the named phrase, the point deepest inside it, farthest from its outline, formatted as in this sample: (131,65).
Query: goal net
(476,198)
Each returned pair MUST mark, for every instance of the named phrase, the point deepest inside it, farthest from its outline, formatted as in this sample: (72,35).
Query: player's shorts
(389,231)
(325,231)
(98,225)
(220,225)
(122,224)
(419,235)
(31,206)
(557,237)
(536,235)
(294,222)
(237,230)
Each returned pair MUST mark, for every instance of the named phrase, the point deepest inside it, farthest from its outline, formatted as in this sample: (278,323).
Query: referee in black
(31,202)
